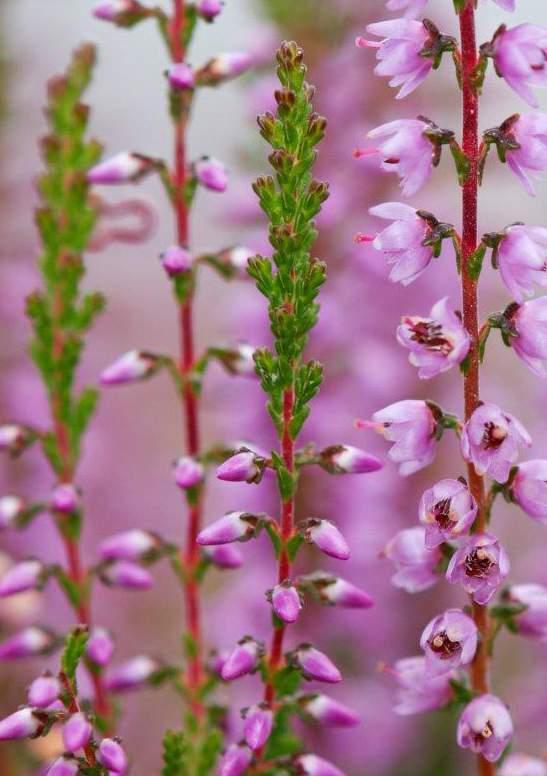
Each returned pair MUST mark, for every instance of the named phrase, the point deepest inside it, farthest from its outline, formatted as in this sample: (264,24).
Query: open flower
(480,566)
(412,426)
(447,510)
(529,488)
(529,324)
(416,564)
(400,53)
(449,641)
(519,57)
(518,764)
(402,242)
(406,150)
(491,440)
(485,727)
(436,343)
(412,8)
(522,258)
(529,158)
(531,622)
(418,690)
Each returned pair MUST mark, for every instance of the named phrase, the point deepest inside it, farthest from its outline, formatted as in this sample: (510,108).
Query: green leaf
(282,742)
(75,645)
(176,751)
(474,263)
(209,752)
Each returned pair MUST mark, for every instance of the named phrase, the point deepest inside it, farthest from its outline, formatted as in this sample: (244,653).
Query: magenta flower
(449,641)
(181,76)
(44,691)
(436,343)
(132,675)
(130,368)
(211,174)
(522,258)
(176,261)
(529,322)
(326,536)
(76,732)
(402,242)
(491,440)
(411,8)
(225,66)
(64,766)
(522,765)
(125,167)
(315,664)
(345,459)
(412,426)
(532,622)
(406,150)
(29,642)
(188,472)
(100,646)
(134,544)
(111,755)
(480,565)
(328,711)
(128,575)
(233,527)
(209,9)
(418,690)
(416,564)
(519,57)
(258,726)
(529,488)
(21,724)
(11,508)
(241,467)
(286,602)
(336,591)
(65,498)
(529,131)
(235,760)
(23,576)
(447,510)
(242,660)
(485,727)
(312,765)
(224,556)
(400,54)
(110,10)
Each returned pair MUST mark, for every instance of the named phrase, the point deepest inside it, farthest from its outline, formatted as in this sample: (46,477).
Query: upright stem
(190,402)
(287,526)
(480,665)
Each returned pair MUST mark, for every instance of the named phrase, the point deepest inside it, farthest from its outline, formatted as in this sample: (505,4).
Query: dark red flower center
(493,436)
(478,563)
(442,514)
(430,335)
(441,645)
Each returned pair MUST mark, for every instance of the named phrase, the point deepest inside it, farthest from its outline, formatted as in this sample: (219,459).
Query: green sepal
(75,646)
(176,751)
(287,681)
(293,546)
(273,533)
(282,741)
(474,262)
(209,751)
(286,480)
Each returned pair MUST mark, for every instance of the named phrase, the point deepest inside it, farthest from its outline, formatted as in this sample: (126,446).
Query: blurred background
(136,433)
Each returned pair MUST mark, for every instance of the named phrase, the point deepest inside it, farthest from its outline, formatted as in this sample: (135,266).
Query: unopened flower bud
(21,724)
(188,472)
(233,527)
(131,675)
(286,601)
(211,174)
(14,438)
(64,766)
(241,467)
(111,755)
(224,556)
(223,67)
(328,711)
(235,760)
(76,732)
(11,508)
(131,367)
(326,536)
(114,10)
(239,360)
(181,76)
(127,575)
(242,660)
(314,664)
(125,167)
(176,261)
(209,9)
(29,642)
(258,726)
(100,646)
(65,498)
(44,691)
(312,765)
(345,459)
(23,576)
(134,545)
(236,259)
(336,591)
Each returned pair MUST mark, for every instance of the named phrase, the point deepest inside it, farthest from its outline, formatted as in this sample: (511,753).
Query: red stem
(190,402)
(480,665)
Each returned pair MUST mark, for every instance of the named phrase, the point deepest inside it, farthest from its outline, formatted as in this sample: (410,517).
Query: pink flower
(522,765)
(21,577)
(412,8)
(436,343)
(111,10)
(65,498)
(529,488)
(128,575)
(402,242)
(258,726)
(232,527)
(242,660)
(224,67)
(485,727)
(529,322)
(449,641)
(447,510)
(181,76)
(76,732)
(125,167)
(418,690)
(21,724)
(406,150)
(416,564)
(176,261)
(188,472)
(532,622)
(11,508)
(44,691)
(315,664)
(326,536)
(286,602)
(412,426)
(335,591)
(209,9)
(491,440)
(345,459)
(64,766)
(241,467)
(132,675)
(129,545)
(519,57)
(111,755)
(529,158)
(235,760)
(29,642)
(224,556)
(100,646)
(480,566)
(328,711)
(312,765)
(211,174)
(400,53)
(133,366)
(522,259)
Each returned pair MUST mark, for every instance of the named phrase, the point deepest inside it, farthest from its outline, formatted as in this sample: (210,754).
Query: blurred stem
(190,401)
(480,665)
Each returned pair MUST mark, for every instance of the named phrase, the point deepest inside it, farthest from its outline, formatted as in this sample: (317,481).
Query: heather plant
(455,536)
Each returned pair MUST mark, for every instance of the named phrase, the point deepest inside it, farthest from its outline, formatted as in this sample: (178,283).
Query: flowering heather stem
(190,403)
(480,665)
